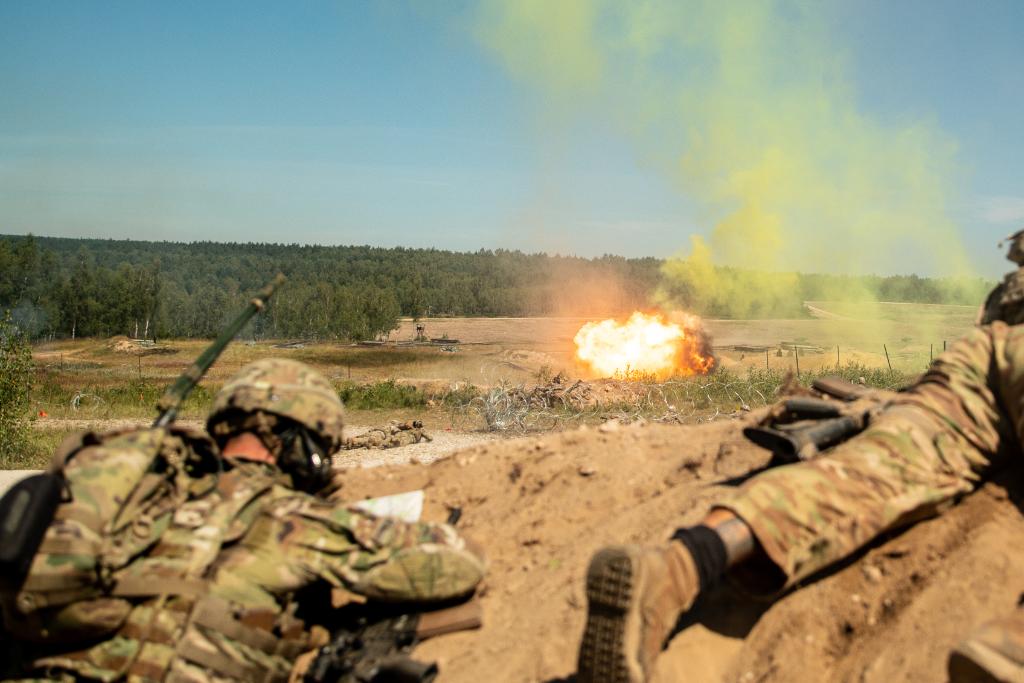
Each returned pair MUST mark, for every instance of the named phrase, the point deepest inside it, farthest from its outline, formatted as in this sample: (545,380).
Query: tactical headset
(304,457)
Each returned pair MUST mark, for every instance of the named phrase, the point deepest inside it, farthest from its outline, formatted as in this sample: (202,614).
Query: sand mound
(542,505)
(138,347)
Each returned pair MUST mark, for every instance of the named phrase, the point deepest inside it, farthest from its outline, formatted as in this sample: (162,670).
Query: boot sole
(603,654)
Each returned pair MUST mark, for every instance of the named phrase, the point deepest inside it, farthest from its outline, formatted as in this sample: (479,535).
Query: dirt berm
(542,505)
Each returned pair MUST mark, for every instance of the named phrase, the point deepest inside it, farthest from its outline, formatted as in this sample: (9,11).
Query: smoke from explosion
(749,108)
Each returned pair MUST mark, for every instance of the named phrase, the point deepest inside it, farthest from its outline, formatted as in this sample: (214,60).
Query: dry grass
(88,379)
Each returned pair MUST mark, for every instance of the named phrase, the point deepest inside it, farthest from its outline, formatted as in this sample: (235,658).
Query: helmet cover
(288,389)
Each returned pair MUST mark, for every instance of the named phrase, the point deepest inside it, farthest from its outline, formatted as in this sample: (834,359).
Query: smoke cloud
(749,108)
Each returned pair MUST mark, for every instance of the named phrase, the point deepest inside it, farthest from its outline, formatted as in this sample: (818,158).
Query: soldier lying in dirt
(924,448)
(190,556)
(392,435)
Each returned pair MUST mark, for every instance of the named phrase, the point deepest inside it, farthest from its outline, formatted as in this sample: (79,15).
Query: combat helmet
(267,390)
(1016,251)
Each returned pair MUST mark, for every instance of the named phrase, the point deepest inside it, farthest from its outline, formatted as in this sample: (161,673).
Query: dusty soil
(541,506)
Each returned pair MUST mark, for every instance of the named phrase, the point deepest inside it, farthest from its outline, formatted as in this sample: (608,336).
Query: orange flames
(645,344)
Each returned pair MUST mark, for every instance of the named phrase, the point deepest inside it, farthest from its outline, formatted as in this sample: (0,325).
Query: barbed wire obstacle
(691,400)
(522,408)
(76,400)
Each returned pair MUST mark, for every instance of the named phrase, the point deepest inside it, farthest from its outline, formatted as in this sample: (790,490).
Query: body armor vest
(127,561)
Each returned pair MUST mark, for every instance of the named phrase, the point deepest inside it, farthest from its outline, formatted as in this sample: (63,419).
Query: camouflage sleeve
(301,540)
(932,444)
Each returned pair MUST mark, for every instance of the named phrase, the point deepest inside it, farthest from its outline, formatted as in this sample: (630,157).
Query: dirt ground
(541,506)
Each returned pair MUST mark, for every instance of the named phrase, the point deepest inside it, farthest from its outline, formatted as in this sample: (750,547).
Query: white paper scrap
(407,506)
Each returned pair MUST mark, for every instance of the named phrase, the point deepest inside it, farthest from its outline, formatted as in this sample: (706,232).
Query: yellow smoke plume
(748,106)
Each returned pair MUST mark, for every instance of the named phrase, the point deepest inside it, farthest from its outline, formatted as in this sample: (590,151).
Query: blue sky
(389,124)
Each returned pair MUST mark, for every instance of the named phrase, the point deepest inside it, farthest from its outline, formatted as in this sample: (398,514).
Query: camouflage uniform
(930,445)
(1006,301)
(922,449)
(394,435)
(205,589)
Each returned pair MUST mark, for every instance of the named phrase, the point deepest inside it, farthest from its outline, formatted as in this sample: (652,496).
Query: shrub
(15,385)
(388,394)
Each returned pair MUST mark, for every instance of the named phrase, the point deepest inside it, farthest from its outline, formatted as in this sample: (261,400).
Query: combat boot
(634,599)
(994,652)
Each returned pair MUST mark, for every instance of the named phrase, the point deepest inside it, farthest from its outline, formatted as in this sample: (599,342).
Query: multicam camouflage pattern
(286,388)
(1016,251)
(393,435)
(115,494)
(201,591)
(1006,301)
(932,444)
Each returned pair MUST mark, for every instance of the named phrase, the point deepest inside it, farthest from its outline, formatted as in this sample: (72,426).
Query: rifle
(371,642)
(800,428)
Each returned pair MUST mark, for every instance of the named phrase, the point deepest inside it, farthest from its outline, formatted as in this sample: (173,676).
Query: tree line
(59,287)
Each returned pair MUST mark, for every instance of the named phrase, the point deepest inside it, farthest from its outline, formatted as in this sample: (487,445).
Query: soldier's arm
(384,558)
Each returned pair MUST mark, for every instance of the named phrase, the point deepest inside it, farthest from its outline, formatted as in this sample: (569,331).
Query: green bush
(387,394)
(15,385)
(461,395)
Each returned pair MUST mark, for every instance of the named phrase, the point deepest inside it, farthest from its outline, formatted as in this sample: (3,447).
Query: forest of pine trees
(57,287)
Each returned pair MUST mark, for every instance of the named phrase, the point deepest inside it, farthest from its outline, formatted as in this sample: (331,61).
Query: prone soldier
(393,435)
(187,556)
(925,447)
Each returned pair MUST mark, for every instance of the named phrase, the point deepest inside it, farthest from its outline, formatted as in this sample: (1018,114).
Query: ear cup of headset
(304,460)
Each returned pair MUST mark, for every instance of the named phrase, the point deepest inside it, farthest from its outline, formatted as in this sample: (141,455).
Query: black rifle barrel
(793,443)
(807,408)
(171,401)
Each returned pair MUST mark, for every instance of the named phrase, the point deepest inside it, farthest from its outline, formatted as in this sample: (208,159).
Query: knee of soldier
(427,572)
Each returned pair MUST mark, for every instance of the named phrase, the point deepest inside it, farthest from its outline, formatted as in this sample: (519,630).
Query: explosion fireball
(645,344)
